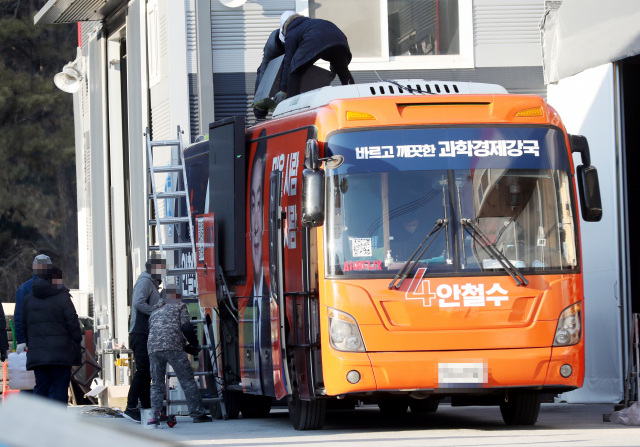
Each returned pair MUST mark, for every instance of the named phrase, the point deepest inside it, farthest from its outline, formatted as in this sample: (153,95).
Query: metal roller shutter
(506,33)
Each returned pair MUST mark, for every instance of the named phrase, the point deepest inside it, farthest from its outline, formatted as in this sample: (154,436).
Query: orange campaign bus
(397,242)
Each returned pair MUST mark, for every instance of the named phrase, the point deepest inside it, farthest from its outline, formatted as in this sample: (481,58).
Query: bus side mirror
(312,197)
(581,145)
(312,155)
(590,202)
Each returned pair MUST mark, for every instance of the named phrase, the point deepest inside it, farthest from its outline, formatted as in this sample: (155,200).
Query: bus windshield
(377,219)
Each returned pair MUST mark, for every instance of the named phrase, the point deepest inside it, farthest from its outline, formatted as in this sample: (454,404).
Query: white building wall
(586,103)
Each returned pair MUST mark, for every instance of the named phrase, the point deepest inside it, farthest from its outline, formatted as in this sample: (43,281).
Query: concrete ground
(558,425)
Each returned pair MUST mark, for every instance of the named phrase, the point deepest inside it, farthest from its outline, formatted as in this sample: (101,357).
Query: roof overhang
(583,34)
(71,11)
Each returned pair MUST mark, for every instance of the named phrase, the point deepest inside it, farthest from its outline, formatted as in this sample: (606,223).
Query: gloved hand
(280,96)
(3,356)
(193,350)
(22,347)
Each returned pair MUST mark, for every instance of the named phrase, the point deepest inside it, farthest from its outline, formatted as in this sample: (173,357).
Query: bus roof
(399,87)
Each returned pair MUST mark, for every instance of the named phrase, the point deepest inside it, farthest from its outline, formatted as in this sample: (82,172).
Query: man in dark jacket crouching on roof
(52,332)
(169,327)
(306,41)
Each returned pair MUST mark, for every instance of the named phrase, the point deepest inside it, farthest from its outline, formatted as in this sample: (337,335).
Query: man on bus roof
(306,41)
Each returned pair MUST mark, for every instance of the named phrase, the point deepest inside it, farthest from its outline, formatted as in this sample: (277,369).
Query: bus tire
(522,409)
(421,406)
(393,407)
(255,407)
(307,415)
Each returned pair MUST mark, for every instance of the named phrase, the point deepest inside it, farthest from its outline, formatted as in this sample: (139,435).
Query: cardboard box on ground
(114,396)
(314,78)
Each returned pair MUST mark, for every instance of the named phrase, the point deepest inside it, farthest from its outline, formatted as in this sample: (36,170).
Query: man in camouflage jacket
(169,326)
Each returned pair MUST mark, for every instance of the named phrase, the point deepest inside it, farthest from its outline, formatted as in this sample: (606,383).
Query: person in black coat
(306,41)
(4,340)
(273,48)
(52,332)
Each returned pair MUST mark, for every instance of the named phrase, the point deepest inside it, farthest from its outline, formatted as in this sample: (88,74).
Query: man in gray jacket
(169,328)
(145,296)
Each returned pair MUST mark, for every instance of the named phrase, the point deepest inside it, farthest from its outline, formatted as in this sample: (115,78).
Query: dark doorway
(125,156)
(630,95)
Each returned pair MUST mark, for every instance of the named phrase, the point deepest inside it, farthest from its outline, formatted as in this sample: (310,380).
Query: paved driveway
(558,424)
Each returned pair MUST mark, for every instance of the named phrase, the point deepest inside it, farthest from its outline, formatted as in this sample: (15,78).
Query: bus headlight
(344,332)
(569,328)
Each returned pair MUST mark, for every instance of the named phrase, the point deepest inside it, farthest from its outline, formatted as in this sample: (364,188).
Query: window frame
(386,62)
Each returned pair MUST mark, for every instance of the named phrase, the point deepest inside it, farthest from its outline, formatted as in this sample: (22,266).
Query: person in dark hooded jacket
(272,49)
(306,41)
(52,332)
(40,264)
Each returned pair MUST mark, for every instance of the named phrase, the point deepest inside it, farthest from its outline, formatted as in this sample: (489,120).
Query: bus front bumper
(408,371)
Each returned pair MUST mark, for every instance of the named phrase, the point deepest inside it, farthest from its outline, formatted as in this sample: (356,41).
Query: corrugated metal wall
(100,190)
(87,29)
(137,97)
(238,36)
(192,68)
(506,33)
(237,96)
(160,93)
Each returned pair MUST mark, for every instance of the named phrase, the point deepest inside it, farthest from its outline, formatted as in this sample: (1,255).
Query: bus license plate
(462,375)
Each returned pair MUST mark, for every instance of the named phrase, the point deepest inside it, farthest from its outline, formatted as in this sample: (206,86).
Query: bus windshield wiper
(489,246)
(404,271)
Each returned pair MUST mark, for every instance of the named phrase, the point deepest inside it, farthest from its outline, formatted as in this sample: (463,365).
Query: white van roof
(396,87)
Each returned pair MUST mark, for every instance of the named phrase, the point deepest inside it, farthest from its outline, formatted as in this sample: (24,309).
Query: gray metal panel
(237,96)
(100,191)
(138,121)
(205,64)
(506,33)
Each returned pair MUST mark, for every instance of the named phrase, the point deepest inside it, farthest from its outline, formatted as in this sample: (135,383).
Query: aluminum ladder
(156,222)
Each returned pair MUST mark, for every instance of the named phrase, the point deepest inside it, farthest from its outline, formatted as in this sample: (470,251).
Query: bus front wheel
(307,415)
(521,409)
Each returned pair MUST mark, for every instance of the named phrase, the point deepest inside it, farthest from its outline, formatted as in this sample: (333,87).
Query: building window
(401,34)
(420,28)
(358,19)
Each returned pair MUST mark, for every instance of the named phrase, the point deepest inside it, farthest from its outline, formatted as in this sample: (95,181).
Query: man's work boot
(133,414)
(202,418)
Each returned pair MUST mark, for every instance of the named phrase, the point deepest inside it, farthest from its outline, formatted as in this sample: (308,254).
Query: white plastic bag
(19,377)
(628,416)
